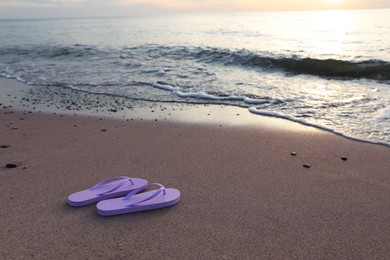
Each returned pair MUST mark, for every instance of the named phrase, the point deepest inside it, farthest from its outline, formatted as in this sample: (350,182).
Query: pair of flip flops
(121,195)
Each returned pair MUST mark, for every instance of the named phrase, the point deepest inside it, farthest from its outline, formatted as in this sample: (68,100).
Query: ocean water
(330,69)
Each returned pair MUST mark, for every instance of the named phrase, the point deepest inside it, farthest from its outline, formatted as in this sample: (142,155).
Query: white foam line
(204,95)
(20,79)
(254,110)
(165,86)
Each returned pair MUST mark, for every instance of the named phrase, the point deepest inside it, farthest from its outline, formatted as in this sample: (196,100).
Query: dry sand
(244,196)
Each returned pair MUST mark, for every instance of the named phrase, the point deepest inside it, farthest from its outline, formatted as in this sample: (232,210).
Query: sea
(328,69)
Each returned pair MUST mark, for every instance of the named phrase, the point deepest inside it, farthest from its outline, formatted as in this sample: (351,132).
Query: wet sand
(243,195)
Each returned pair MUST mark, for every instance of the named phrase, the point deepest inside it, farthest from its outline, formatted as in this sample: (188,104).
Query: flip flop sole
(86,197)
(119,206)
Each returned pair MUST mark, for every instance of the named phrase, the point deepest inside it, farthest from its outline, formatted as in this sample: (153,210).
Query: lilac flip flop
(133,202)
(107,189)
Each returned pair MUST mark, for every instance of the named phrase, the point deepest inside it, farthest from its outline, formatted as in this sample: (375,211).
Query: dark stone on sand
(4,145)
(14,128)
(344,158)
(11,165)
(306,166)
(293,153)
(103,130)
(113,110)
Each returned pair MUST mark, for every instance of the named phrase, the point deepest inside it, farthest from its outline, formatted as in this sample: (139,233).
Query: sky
(19,9)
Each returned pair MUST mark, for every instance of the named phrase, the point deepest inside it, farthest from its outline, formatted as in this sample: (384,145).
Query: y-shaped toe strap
(161,189)
(121,180)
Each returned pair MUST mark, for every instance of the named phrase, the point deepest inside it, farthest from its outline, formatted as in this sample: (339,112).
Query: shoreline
(243,193)
(23,97)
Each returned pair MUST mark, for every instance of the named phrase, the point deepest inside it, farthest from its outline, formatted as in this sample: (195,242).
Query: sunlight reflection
(330,31)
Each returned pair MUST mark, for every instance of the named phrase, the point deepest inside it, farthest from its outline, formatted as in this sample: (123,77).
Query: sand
(243,195)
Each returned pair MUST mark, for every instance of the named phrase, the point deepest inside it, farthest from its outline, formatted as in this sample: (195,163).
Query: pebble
(11,165)
(103,130)
(293,153)
(306,165)
(344,158)
(4,145)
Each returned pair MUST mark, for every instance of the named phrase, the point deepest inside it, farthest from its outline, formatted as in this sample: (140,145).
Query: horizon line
(189,13)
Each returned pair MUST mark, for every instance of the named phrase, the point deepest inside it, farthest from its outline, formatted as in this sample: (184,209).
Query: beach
(274,127)
(243,193)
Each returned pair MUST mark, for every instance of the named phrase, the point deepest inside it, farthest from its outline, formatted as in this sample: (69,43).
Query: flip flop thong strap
(121,180)
(157,192)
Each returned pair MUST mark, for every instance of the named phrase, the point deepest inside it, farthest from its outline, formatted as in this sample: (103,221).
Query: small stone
(103,130)
(4,145)
(293,153)
(11,165)
(344,158)
(113,110)
(306,166)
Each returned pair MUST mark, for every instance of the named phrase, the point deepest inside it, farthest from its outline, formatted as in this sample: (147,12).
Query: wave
(48,51)
(292,65)
(328,68)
